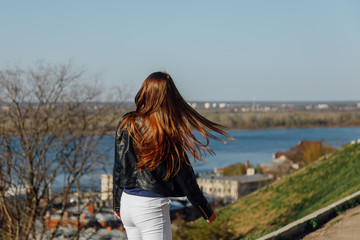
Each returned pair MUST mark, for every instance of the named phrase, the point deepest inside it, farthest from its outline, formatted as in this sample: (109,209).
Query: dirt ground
(346,226)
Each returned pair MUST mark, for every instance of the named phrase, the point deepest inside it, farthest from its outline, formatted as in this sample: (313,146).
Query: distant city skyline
(215,51)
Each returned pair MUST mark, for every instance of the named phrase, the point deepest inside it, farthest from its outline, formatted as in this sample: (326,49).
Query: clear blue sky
(215,50)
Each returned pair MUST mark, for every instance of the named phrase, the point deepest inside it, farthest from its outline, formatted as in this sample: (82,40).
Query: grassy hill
(313,187)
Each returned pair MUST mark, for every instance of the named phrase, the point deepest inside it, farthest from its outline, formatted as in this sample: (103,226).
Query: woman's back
(151,159)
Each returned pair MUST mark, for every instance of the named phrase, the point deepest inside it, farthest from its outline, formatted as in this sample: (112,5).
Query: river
(257,146)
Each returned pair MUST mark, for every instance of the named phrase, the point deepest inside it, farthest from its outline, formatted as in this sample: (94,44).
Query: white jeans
(145,218)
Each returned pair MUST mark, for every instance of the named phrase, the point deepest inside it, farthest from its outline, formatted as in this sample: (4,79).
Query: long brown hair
(162,123)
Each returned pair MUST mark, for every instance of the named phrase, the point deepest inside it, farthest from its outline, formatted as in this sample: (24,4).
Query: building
(231,188)
(106,186)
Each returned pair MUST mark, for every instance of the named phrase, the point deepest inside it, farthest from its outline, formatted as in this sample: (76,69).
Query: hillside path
(346,226)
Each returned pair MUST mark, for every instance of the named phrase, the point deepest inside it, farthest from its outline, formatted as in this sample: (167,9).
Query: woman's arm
(187,182)
(117,190)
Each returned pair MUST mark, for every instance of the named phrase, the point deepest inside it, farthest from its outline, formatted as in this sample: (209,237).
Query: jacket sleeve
(187,182)
(117,189)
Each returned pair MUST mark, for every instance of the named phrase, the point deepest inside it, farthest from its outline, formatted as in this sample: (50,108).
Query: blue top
(141,192)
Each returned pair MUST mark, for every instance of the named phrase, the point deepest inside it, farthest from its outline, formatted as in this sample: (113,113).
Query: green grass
(311,188)
(335,222)
(355,214)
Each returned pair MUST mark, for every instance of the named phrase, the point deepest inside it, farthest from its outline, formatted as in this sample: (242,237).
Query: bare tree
(51,124)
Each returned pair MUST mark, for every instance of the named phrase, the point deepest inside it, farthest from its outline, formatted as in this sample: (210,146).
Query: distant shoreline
(279,120)
(274,128)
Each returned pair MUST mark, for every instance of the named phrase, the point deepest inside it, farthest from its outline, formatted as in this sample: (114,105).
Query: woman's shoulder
(127,120)
(122,119)
(126,115)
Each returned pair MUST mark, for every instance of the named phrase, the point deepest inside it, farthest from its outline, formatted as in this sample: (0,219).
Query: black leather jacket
(126,175)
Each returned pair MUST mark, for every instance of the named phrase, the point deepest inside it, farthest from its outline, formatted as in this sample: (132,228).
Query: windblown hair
(161,126)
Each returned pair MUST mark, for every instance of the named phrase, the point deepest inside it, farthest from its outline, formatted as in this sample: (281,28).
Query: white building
(231,188)
(222,105)
(106,186)
(322,106)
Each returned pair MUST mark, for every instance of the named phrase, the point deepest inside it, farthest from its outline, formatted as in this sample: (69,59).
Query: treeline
(285,119)
(239,169)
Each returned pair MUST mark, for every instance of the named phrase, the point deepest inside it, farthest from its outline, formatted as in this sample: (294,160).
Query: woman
(152,145)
